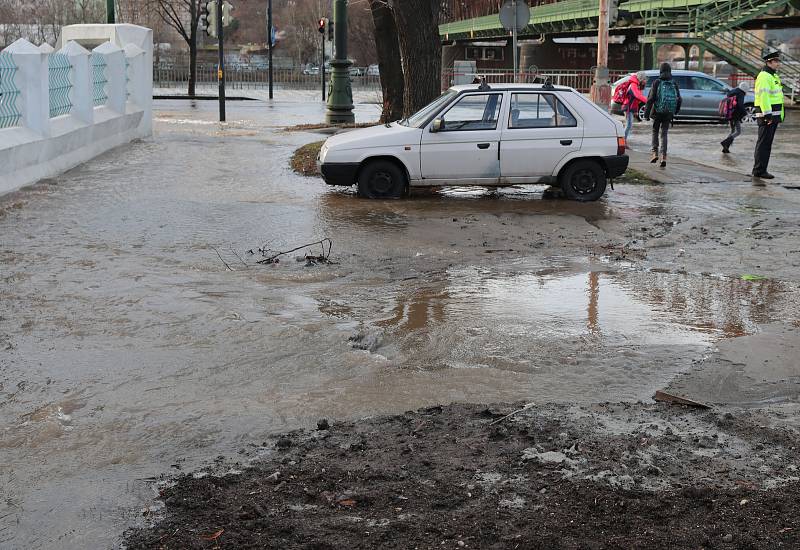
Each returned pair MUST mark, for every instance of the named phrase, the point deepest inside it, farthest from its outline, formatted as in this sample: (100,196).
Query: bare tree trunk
(391,68)
(193,20)
(421,50)
(192,67)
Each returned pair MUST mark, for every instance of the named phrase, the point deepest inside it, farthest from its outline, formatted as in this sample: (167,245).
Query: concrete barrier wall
(61,108)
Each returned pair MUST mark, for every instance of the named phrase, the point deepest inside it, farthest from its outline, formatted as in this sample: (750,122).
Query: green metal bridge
(717,26)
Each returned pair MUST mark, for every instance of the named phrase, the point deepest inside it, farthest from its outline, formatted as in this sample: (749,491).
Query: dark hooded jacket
(666,74)
(739,112)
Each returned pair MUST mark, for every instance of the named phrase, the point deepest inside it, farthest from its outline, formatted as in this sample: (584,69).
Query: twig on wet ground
(220,257)
(525,408)
(163,538)
(323,258)
(239,257)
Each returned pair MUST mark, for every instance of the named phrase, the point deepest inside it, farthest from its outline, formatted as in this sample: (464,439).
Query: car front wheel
(584,180)
(640,113)
(381,179)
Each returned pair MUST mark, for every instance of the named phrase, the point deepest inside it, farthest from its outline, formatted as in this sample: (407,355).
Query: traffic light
(321,25)
(330,30)
(208,18)
(227,18)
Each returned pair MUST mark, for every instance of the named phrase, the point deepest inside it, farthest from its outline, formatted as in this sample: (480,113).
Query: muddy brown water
(128,350)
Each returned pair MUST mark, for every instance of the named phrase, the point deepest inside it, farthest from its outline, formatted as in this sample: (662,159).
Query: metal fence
(59,68)
(9,113)
(581,80)
(177,76)
(99,80)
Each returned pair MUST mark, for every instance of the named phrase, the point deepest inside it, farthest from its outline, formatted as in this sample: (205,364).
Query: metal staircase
(716,27)
(743,50)
(724,16)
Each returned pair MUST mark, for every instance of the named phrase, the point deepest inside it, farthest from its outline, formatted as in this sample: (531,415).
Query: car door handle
(566,142)
(483,145)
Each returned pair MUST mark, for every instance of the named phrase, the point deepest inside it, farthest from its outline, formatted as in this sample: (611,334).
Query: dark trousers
(766,133)
(660,127)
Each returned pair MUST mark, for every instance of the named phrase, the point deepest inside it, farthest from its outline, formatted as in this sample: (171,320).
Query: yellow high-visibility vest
(769,95)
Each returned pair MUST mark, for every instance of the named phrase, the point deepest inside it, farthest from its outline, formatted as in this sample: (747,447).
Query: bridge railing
(56,106)
(581,80)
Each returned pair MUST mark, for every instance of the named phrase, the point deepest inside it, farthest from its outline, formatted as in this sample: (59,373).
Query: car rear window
(536,110)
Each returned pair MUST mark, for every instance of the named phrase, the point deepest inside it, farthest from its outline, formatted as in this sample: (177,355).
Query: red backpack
(727,107)
(620,91)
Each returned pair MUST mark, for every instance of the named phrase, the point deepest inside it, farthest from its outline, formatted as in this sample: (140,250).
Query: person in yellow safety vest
(769,113)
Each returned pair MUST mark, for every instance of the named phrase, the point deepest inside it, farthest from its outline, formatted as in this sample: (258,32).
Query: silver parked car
(701,95)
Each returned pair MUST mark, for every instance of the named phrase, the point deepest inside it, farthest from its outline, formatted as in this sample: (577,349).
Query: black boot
(726,145)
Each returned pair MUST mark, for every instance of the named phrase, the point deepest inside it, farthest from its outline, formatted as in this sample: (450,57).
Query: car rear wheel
(381,179)
(640,113)
(584,180)
(749,113)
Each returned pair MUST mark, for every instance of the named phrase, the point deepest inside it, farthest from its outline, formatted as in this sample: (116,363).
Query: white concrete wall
(40,146)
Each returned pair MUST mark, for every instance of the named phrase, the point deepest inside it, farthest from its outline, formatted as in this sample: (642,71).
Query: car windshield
(420,117)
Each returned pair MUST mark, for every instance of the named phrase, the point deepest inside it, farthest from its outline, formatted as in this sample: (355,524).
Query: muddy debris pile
(506,476)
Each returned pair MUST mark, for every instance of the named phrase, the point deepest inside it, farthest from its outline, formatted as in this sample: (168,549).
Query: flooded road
(139,338)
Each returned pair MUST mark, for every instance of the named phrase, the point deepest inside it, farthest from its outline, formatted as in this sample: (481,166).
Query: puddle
(645,308)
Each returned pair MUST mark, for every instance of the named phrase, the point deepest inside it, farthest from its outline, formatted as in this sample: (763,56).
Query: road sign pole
(322,66)
(271,44)
(515,16)
(514,39)
(221,68)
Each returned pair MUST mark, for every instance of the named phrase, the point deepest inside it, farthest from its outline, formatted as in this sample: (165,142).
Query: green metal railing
(59,69)
(9,113)
(99,80)
(743,49)
(728,15)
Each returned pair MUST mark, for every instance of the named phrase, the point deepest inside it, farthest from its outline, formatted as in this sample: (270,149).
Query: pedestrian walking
(769,113)
(663,103)
(630,97)
(732,108)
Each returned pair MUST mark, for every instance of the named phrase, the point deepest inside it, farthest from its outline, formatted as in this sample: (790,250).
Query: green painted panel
(9,113)
(99,80)
(58,72)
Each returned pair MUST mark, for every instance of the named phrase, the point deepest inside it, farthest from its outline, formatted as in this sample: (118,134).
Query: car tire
(381,179)
(749,113)
(584,181)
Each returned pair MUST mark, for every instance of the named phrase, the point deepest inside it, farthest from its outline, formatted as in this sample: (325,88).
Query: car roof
(678,72)
(505,86)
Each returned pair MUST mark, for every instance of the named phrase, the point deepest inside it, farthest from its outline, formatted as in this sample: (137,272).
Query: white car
(503,134)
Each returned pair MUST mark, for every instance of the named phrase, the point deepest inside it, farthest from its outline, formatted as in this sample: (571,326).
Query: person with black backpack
(733,110)
(663,103)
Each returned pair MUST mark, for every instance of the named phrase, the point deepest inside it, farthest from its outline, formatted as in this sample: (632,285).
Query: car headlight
(322,152)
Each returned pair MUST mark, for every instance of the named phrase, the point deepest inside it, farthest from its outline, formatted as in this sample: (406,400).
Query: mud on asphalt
(471,476)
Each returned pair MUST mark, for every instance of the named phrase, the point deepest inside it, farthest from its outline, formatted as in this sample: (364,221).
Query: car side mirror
(437,125)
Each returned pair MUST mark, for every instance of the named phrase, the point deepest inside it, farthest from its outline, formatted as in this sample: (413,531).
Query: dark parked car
(701,95)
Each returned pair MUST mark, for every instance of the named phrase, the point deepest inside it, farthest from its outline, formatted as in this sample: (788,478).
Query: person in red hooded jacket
(633,99)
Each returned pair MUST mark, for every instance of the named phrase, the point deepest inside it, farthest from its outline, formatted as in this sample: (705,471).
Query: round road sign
(507,14)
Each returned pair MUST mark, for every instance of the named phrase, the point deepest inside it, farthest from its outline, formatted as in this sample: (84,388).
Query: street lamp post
(110,16)
(340,98)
